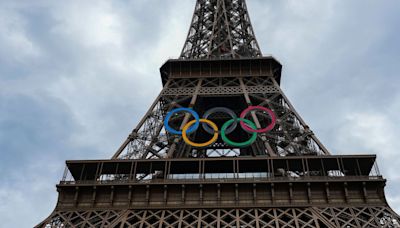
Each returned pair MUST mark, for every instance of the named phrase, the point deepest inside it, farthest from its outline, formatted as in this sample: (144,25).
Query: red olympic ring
(263,130)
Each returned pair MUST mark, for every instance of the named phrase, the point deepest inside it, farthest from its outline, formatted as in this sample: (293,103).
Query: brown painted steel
(287,178)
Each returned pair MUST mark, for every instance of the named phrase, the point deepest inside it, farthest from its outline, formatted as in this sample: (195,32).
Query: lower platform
(378,216)
(293,192)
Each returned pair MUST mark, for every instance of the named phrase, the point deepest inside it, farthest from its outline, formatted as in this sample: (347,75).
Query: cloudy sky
(76,76)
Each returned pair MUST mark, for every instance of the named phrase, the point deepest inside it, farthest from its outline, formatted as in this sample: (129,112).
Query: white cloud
(367,131)
(27,195)
(17,47)
(373,133)
(93,24)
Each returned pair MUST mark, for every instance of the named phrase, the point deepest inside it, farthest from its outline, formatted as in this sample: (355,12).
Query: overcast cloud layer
(76,76)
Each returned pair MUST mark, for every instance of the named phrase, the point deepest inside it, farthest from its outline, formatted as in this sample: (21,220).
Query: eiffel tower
(222,146)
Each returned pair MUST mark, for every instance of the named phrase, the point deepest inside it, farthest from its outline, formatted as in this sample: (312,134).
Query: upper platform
(211,68)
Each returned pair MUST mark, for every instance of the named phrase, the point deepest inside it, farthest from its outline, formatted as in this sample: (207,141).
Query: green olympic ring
(238,144)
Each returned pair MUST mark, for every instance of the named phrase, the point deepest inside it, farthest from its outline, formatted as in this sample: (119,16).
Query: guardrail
(221,180)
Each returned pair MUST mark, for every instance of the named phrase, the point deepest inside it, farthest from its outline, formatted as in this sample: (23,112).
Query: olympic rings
(238,144)
(227,128)
(191,111)
(263,130)
(209,122)
(228,111)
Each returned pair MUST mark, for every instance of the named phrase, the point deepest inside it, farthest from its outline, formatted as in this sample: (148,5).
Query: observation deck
(220,67)
(222,182)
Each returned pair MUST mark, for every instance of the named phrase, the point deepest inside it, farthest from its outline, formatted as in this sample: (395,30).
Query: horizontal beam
(222,195)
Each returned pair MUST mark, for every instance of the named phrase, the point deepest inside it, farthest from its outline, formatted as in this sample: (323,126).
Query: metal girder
(296,217)
(220,29)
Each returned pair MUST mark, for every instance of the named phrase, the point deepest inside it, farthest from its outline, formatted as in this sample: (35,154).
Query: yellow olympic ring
(209,122)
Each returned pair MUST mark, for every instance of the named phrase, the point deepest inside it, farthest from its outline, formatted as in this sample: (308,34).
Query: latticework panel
(360,217)
(220,28)
(290,136)
(89,219)
(211,218)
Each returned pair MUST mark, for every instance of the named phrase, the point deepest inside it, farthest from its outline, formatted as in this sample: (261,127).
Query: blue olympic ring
(191,129)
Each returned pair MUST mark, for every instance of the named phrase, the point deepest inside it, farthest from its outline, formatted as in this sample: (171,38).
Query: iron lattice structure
(291,136)
(268,218)
(220,29)
(286,178)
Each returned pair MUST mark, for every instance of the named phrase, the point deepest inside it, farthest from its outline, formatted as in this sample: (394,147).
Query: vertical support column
(112,195)
(172,148)
(365,193)
(236,194)
(255,193)
(131,172)
(76,196)
(183,194)
(93,200)
(219,193)
(309,194)
(327,191)
(201,194)
(165,198)
(273,193)
(346,192)
(130,196)
(270,151)
(147,194)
